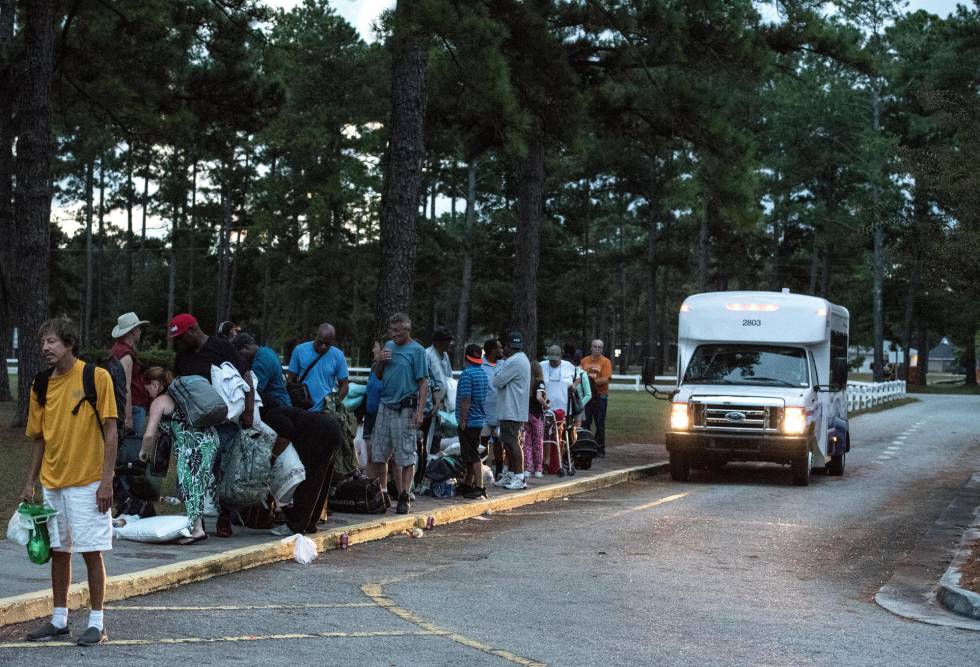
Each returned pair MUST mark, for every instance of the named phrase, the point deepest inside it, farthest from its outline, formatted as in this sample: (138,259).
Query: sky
(361,13)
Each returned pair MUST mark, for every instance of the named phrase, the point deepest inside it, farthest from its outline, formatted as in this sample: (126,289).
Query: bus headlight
(678,417)
(794,421)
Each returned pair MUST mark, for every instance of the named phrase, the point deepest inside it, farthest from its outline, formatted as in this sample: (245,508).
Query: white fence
(862,395)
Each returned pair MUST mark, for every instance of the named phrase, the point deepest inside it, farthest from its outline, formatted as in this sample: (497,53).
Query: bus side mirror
(828,388)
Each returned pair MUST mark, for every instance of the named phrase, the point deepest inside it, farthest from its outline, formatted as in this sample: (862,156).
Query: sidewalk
(137,568)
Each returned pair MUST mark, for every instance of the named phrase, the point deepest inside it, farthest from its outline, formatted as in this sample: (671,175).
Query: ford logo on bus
(735,416)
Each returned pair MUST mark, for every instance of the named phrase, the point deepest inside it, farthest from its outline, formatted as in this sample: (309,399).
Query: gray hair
(400,318)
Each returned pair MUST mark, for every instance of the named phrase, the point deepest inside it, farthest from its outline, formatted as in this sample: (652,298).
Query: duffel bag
(246,469)
(360,495)
(144,480)
(199,401)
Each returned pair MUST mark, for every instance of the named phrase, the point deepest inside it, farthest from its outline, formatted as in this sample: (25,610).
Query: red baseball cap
(180,324)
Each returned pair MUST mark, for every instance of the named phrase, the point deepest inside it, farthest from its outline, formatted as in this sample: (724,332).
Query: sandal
(223,527)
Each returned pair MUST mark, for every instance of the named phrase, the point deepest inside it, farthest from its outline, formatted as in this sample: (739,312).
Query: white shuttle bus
(762,376)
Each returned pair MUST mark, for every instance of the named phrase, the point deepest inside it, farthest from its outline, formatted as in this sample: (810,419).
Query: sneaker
(46,632)
(93,636)
(403,503)
(282,530)
(538,474)
(503,480)
(475,493)
(411,496)
(516,483)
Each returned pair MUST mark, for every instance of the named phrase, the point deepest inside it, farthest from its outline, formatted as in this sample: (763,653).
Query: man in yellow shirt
(599,369)
(74,454)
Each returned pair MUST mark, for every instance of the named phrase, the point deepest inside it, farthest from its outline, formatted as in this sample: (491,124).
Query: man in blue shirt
(267,368)
(320,366)
(471,394)
(404,384)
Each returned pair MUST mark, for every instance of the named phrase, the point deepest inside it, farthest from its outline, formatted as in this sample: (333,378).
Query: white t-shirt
(557,380)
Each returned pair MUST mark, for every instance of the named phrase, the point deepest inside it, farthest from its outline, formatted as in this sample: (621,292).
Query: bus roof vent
(785,290)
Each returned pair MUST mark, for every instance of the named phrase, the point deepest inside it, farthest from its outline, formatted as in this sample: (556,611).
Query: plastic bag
(304,549)
(154,529)
(18,530)
(487,475)
(287,473)
(360,447)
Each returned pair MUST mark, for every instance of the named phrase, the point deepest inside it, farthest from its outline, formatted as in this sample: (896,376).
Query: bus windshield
(757,365)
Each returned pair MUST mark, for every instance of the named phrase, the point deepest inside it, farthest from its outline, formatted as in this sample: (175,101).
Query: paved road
(735,567)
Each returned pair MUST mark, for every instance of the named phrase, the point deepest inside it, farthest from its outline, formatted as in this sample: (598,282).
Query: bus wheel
(801,468)
(680,466)
(836,466)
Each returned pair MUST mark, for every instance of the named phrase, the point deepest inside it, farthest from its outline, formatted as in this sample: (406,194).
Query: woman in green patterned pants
(196,449)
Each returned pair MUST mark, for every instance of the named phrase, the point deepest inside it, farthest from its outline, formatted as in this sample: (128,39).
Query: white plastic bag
(231,386)
(360,447)
(304,549)
(287,473)
(487,476)
(18,530)
(154,528)
(449,446)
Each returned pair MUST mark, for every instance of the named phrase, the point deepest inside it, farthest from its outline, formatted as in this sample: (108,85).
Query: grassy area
(946,389)
(884,406)
(635,416)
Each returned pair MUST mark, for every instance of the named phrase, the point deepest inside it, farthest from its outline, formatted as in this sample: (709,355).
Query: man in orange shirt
(599,369)
(72,422)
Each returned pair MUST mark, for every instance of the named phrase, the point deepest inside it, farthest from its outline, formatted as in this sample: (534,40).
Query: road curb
(950,594)
(30,606)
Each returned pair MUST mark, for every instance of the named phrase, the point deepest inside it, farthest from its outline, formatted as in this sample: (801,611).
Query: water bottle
(344,541)
(430,522)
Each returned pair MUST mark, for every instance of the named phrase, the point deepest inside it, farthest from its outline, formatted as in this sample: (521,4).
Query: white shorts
(78,526)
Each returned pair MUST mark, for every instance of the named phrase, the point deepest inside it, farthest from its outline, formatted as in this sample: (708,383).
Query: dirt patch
(970,572)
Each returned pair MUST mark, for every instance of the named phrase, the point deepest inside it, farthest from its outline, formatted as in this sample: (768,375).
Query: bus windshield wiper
(707,380)
(781,383)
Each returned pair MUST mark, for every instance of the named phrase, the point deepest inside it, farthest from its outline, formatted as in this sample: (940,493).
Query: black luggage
(358,496)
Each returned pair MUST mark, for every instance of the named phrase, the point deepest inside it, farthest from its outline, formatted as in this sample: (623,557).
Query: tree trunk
(625,339)
(466,282)
(266,288)
(652,295)
(704,239)
(6,193)
(903,373)
(814,263)
(97,334)
(970,353)
(530,211)
(878,233)
(129,224)
(922,362)
(32,199)
(403,167)
(171,287)
(89,252)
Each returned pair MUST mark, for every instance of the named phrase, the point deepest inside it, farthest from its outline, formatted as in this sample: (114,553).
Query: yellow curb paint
(646,506)
(376,593)
(30,606)
(242,638)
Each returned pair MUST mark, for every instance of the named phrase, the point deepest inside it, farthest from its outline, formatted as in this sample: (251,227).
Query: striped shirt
(473,385)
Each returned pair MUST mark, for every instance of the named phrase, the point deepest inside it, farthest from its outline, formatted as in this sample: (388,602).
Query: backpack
(246,469)
(358,496)
(89,392)
(345,460)
(198,400)
(441,468)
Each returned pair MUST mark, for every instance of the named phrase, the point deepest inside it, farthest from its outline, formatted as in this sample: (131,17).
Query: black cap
(441,333)
(515,340)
